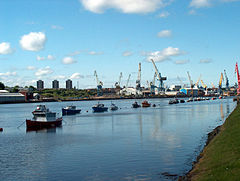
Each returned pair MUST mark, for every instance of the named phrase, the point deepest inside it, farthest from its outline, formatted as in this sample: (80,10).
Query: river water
(128,144)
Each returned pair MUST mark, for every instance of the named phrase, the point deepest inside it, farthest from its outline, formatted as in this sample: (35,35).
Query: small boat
(173,101)
(70,110)
(113,107)
(135,105)
(146,104)
(99,108)
(190,99)
(43,118)
(182,101)
(213,98)
(154,105)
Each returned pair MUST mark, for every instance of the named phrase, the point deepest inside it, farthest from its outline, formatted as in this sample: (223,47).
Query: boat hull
(99,109)
(35,125)
(70,112)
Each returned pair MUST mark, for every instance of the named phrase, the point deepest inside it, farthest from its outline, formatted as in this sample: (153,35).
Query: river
(128,144)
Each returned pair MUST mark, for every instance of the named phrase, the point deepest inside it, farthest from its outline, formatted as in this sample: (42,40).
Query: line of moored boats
(44,118)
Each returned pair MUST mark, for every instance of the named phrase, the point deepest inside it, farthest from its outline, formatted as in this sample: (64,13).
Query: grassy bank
(220,159)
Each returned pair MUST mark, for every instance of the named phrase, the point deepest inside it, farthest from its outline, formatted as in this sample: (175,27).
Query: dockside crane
(138,81)
(181,82)
(191,83)
(128,80)
(238,78)
(204,85)
(152,85)
(118,84)
(99,85)
(227,81)
(213,86)
(196,84)
(160,78)
(220,84)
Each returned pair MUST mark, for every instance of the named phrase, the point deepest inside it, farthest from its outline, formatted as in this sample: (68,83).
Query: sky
(62,39)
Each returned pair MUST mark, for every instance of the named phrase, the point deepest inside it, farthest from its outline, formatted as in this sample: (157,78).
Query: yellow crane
(213,86)
(204,85)
(196,84)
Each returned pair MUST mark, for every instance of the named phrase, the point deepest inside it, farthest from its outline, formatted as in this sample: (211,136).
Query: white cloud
(163,14)
(127,53)
(200,3)
(125,6)
(164,33)
(75,53)
(40,58)
(206,60)
(8,74)
(56,27)
(33,41)
(68,60)
(95,53)
(165,54)
(5,48)
(76,76)
(60,77)
(43,71)
(50,57)
(31,67)
(180,62)
(192,12)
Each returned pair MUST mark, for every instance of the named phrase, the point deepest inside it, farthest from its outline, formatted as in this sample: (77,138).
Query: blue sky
(61,39)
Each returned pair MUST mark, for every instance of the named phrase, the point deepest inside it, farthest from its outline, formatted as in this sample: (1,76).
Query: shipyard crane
(227,81)
(220,84)
(238,78)
(196,84)
(181,82)
(117,84)
(128,80)
(160,78)
(138,81)
(99,85)
(190,80)
(152,84)
(204,85)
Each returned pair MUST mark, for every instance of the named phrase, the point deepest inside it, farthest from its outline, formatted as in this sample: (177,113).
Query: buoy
(1,129)
(86,111)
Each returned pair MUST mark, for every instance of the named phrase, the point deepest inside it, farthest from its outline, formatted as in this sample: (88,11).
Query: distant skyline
(62,39)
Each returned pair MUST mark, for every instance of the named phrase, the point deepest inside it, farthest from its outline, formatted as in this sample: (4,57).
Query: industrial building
(68,84)
(6,97)
(55,84)
(40,84)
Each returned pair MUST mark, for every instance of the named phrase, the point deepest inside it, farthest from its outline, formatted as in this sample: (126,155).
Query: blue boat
(70,110)
(99,108)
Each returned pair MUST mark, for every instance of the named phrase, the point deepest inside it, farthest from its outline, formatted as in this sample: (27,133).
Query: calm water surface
(128,144)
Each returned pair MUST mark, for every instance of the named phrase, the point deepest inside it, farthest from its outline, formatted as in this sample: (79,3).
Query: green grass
(221,157)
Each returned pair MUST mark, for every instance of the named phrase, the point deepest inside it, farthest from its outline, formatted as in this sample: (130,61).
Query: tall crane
(204,85)
(238,78)
(117,84)
(181,82)
(227,81)
(99,85)
(152,85)
(220,84)
(138,81)
(196,84)
(190,80)
(128,80)
(160,78)
(213,86)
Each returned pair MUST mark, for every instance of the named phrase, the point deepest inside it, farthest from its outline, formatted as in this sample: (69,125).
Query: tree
(2,86)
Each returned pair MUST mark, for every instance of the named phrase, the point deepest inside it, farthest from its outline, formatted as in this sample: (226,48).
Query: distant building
(68,84)
(40,84)
(55,84)
(6,97)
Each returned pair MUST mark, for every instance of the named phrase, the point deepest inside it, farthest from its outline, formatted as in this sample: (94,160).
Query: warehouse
(6,97)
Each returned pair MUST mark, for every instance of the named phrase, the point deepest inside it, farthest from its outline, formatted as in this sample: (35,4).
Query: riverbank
(220,159)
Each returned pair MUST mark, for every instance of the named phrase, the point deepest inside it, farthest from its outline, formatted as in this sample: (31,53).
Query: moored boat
(99,108)
(135,105)
(113,107)
(43,118)
(190,99)
(173,101)
(182,101)
(70,110)
(146,104)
